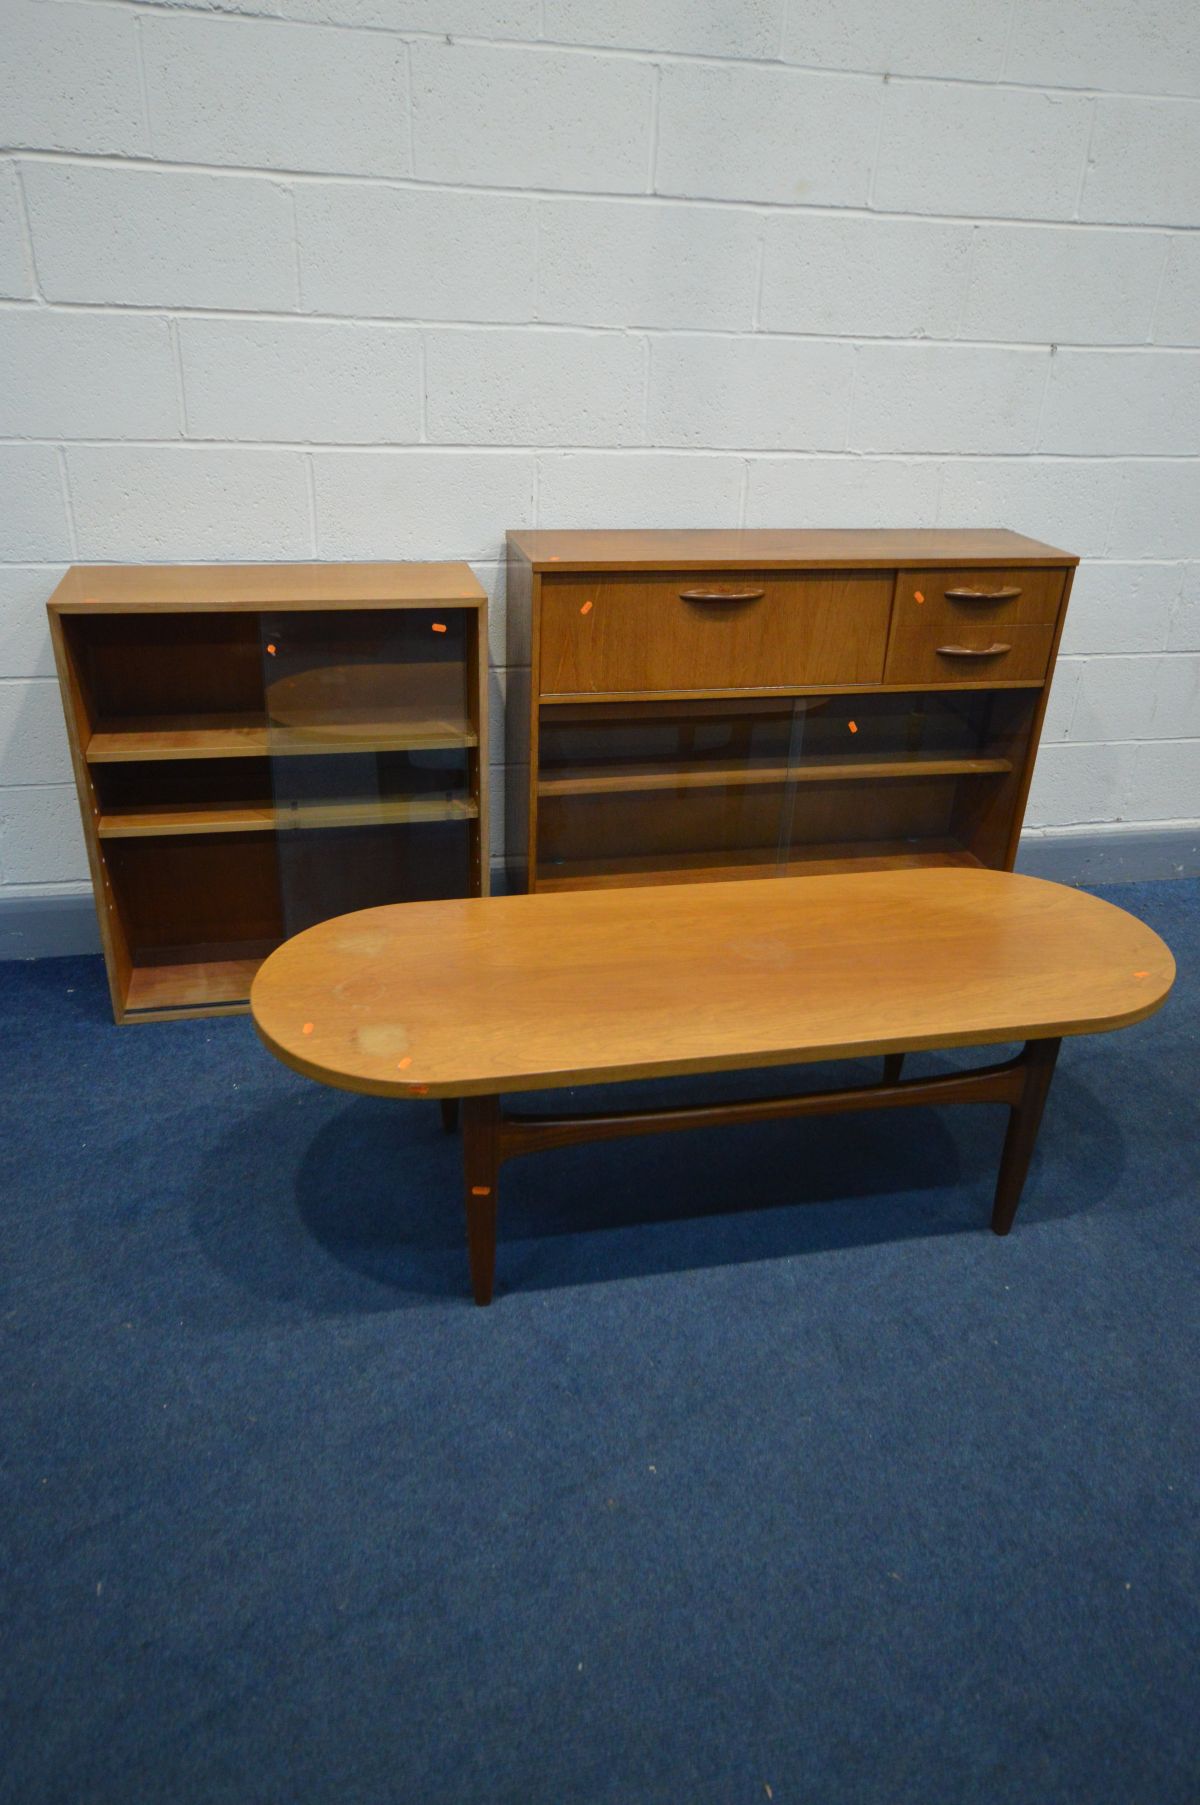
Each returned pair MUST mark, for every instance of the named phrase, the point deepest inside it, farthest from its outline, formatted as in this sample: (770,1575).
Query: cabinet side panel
(77,709)
(519,732)
(1021,791)
(477,758)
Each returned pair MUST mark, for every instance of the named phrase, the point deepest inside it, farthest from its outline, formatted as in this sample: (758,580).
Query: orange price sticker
(439,626)
(853,726)
(1141,974)
(402,1065)
(307,1028)
(918,595)
(586,609)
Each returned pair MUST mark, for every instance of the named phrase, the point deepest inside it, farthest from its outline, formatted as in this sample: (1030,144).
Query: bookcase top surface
(762,548)
(227,588)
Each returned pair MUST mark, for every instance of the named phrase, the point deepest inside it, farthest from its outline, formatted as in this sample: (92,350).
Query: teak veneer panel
(655,633)
(782,549)
(141,738)
(599,622)
(156,819)
(173,669)
(255,588)
(530,992)
(815,859)
(709,776)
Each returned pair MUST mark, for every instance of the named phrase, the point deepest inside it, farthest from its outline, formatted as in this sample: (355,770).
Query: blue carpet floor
(771,1474)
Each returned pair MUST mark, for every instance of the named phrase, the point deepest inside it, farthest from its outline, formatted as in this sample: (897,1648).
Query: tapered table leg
(1023,1125)
(449,1107)
(892,1063)
(481,1171)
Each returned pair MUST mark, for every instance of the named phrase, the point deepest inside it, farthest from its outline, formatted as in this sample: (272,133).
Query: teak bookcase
(699,705)
(259,747)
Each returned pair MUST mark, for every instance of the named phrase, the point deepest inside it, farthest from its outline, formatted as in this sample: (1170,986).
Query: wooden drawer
(973,611)
(697,630)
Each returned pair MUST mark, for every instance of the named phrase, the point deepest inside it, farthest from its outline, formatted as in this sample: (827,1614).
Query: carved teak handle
(974,651)
(721,595)
(982,595)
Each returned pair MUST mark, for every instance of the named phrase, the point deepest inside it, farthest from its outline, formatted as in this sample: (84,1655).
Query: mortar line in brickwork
(655,100)
(966,288)
(412,108)
(293,316)
(177,367)
(851,398)
(1009,33)
(852,210)
(878,150)
(65,485)
(637,53)
(1158,293)
(1041,413)
(297,266)
(759,276)
(139,51)
(26,232)
(1087,158)
(482,448)
(310,483)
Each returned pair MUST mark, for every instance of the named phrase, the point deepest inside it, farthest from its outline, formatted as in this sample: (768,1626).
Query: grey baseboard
(48,927)
(1126,855)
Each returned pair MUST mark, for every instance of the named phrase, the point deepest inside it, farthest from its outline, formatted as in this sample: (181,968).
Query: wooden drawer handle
(974,651)
(982,595)
(721,595)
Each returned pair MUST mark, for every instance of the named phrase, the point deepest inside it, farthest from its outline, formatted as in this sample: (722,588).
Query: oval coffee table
(477,997)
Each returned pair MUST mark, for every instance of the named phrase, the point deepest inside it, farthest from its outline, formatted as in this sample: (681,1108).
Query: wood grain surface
(228,588)
(517,993)
(763,547)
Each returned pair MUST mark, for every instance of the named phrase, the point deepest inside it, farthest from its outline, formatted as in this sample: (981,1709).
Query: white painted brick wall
(160,238)
(1177,317)
(187,503)
(320,381)
(965,150)
(852,275)
(87,376)
(270,96)
(416,253)
(382,278)
(937,37)
(743,132)
(756,392)
(530,118)
(15,282)
(508,386)
(606,263)
(947,398)
(1144,162)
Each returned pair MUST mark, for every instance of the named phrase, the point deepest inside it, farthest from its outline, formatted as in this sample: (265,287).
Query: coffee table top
(518,993)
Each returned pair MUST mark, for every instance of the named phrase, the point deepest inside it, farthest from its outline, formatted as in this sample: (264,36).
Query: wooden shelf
(264,817)
(710,867)
(698,775)
(142,738)
(193,979)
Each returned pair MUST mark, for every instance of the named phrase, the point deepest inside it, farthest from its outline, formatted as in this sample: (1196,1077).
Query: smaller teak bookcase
(688,706)
(259,747)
